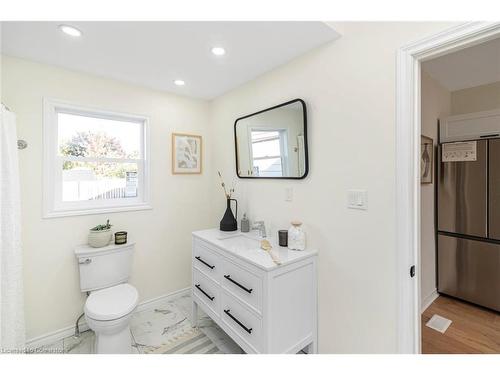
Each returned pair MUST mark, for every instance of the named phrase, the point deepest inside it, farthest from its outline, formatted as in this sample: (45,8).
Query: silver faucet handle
(258,224)
(261,226)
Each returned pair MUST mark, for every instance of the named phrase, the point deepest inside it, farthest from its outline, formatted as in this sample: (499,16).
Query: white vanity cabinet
(264,307)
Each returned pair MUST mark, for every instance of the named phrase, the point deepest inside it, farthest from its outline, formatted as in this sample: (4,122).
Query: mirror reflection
(273,143)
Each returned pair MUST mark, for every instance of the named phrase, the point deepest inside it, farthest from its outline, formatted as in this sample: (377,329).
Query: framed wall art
(186,153)
(426,159)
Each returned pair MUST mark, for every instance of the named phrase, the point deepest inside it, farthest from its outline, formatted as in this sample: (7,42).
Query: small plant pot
(100,238)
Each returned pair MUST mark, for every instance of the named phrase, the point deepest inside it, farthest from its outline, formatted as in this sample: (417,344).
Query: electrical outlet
(357,199)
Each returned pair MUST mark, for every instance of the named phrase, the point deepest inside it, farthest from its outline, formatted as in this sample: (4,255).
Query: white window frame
(283,138)
(53,206)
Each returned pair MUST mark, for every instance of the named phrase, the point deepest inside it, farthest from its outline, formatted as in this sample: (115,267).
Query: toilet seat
(111,303)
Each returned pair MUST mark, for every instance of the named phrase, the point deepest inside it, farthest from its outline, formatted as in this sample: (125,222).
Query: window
(95,161)
(268,152)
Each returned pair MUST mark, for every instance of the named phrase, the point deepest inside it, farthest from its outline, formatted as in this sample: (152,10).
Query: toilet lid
(111,303)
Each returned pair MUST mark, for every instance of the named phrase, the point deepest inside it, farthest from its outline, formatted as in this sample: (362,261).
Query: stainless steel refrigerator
(468,226)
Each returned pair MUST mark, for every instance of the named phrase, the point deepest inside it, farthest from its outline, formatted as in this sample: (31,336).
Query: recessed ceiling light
(70,30)
(218,51)
(179,82)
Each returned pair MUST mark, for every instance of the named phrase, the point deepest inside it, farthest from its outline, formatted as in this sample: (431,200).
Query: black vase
(228,222)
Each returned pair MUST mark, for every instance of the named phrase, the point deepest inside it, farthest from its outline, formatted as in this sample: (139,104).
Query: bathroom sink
(250,248)
(240,242)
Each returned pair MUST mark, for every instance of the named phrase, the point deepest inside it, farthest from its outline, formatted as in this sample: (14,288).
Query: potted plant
(100,235)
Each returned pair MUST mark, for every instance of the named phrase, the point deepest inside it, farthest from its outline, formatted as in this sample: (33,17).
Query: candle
(120,238)
(283,238)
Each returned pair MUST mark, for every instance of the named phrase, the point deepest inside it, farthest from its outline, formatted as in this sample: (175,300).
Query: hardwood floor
(473,330)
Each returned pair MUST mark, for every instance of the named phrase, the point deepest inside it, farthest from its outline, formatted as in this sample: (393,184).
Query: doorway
(408,131)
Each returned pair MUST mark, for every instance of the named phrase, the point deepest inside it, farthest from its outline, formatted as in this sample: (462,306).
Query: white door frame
(409,58)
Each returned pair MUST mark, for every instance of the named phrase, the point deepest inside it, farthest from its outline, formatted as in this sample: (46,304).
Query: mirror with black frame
(273,143)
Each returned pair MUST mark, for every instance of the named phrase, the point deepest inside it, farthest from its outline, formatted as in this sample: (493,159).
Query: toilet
(104,273)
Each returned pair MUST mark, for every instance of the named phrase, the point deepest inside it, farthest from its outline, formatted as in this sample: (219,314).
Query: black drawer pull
(205,263)
(205,293)
(228,312)
(237,283)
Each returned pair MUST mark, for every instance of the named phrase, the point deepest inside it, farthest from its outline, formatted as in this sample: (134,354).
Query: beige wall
(476,99)
(349,87)
(436,103)
(162,258)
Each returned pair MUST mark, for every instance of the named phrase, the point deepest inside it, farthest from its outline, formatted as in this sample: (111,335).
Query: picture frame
(426,160)
(187,153)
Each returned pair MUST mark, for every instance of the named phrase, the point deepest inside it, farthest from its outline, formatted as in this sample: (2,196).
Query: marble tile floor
(152,328)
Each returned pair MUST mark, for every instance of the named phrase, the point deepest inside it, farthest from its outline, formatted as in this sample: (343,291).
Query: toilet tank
(105,266)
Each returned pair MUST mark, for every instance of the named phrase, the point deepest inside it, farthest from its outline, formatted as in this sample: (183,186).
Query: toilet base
(112,336)
(118,343)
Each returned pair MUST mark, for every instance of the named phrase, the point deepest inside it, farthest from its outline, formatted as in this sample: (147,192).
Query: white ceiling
(470,67)
(154,54)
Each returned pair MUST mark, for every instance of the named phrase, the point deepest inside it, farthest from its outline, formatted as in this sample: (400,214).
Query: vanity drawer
(206,290)
(242,283)
(206,260)
(242,321)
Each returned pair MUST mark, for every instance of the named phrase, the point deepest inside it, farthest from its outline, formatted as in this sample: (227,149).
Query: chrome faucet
(261,227)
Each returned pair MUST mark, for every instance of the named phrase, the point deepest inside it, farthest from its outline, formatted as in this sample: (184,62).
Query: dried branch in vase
(231,190)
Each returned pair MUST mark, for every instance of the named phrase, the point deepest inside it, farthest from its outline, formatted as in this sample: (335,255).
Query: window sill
(95,211)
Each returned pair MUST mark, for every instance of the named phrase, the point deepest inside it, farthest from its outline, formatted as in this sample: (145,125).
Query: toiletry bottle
(245,224)
(296,237)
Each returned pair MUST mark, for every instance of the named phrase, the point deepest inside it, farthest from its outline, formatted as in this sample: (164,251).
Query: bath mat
(191,342)
(438,323)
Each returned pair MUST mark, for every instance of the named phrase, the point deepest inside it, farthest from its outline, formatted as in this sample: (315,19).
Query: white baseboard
(427,301)
(54,336)
(154,302)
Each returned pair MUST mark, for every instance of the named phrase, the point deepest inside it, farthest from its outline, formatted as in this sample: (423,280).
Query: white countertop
(254,255)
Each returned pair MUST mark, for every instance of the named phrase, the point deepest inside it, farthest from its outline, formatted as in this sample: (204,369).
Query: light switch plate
(357,199)
(288,194)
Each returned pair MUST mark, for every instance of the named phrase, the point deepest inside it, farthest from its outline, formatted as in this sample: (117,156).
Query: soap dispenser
(245,224)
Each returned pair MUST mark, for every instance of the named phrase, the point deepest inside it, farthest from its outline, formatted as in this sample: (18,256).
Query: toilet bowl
(108,312)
